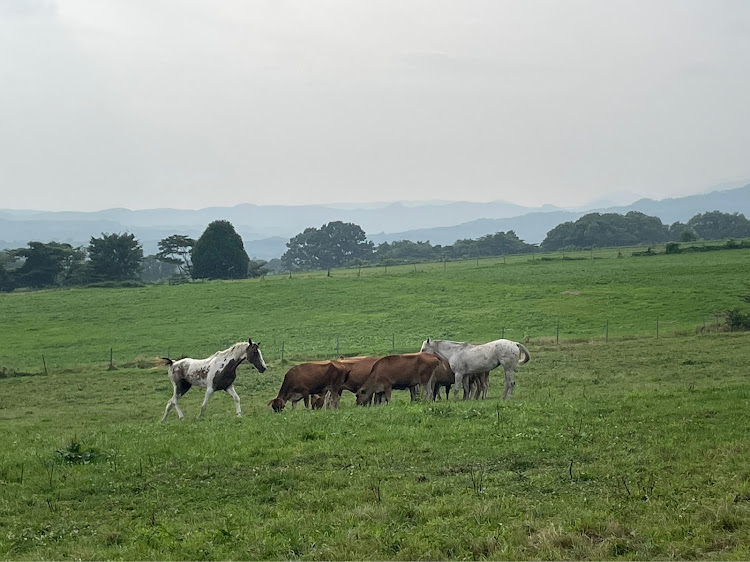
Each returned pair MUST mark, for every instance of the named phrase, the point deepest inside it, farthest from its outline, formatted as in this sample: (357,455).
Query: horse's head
(277,404)
(364,396)
(254,356)
(428,347)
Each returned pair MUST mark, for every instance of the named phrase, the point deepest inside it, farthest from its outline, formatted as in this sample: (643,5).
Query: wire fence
(296,348)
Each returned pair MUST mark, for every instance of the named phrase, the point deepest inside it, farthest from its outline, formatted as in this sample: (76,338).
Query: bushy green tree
(45,265)
(716,225)
(609,229)
(333,245)
(219,253)
(115,257)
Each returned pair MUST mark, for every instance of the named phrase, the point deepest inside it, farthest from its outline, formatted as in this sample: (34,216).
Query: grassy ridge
(308,313)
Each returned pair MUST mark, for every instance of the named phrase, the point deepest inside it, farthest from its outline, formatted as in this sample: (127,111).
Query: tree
(716,225)
(156,269)
(45,265)
(219,253)
(177,250)
(688,235)
(333,245)
(405,250)
(257,268)
(115,257)
(609,229)
(6,283)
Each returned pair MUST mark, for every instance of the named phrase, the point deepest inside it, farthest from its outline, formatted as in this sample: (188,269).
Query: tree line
(219,253)
(338,244)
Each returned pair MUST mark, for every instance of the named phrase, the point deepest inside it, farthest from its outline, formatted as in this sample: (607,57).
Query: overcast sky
(196,103)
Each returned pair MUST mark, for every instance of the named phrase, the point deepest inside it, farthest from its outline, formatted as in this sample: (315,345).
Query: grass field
(635,448)
(376,312)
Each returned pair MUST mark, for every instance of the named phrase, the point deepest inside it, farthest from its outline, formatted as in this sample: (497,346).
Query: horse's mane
(230,350)
(452,343)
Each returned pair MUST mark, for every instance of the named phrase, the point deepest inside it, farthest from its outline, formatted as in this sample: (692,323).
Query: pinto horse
(467,359)
(213,373)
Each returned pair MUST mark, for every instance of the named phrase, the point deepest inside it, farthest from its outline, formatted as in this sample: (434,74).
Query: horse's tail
(525,353)
(166,361)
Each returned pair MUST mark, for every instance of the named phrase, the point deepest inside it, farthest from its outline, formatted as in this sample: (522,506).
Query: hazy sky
(197,103)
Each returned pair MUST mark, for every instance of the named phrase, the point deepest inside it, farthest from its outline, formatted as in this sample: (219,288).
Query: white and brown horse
(213,373)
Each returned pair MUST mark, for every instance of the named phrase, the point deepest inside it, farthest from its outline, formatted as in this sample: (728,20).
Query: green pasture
(631,448)
(375,310)
(628,449)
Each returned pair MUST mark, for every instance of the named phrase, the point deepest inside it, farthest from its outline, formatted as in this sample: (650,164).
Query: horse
(213,373)
(467,359)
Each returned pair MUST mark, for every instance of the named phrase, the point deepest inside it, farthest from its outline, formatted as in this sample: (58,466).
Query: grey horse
(468,359)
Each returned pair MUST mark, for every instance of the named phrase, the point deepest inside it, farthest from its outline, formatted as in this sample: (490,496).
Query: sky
(190,104)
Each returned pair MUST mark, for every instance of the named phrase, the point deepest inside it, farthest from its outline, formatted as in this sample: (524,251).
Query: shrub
(74,453)
(737,320)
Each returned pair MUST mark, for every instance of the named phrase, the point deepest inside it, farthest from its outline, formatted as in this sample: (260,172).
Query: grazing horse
(213,373)
(467,359)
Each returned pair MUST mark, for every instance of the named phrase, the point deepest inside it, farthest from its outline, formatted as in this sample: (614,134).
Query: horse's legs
(457,385)
(467,384)
(172,403)
(510,384)
(233,393)
(307,401)
(206,398)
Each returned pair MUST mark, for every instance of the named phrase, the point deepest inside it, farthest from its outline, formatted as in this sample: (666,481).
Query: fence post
(393,343)
(606,332)
(503,333)
(45,365)
(111,355)
(282,350)
(557,337)
(338,351)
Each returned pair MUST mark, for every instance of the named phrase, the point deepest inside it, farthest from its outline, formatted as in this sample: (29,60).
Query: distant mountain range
(265,229)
